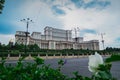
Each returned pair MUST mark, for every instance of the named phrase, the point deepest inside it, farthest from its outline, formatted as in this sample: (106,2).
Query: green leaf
(21,59)
(104,67)
(103,75)
(61,62)
(113,58)
(39,61)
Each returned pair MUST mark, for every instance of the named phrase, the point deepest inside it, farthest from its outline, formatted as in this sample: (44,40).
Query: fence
(50,56)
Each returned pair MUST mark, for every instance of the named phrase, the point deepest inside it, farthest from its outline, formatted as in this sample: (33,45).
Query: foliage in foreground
(39,71)
(29,71)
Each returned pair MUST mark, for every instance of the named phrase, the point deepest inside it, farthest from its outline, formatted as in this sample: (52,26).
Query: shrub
(31,71)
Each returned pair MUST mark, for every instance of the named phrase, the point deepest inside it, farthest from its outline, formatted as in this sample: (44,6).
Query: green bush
(31,71)
(3,54)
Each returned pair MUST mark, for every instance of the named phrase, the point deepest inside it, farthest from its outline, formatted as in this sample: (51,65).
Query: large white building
(56,39)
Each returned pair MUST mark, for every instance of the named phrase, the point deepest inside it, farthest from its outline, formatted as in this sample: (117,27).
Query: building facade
(55,39)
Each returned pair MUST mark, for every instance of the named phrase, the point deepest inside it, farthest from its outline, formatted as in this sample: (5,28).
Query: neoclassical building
(55,39)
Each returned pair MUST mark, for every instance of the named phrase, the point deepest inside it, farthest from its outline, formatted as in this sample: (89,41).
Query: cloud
(4,38)
(91,4)
(41,14)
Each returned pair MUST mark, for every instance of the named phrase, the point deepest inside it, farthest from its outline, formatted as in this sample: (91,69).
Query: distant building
(56,39)
(11,42)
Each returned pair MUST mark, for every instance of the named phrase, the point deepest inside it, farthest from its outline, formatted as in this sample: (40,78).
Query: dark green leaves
(113,58)
(79,77)
(1,5)
(39,61)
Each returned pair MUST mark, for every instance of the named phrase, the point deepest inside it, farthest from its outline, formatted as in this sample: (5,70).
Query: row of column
(60,55)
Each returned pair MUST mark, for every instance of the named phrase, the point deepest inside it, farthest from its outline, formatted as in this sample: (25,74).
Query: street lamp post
(102,34)
(27,21)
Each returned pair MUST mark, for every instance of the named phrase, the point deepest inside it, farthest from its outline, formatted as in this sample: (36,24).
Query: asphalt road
(76,64)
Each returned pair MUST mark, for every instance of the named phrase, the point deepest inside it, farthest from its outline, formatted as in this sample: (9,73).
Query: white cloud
(41,14)
(87,1)
(4,39)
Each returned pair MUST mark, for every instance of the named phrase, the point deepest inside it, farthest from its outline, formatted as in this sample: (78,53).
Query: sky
(92,17)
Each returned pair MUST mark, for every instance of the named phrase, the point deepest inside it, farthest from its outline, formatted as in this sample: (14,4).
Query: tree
(19,47)
(1,5)
(33,47)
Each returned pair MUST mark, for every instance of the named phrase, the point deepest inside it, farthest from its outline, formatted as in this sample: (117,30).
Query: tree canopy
(1,5)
